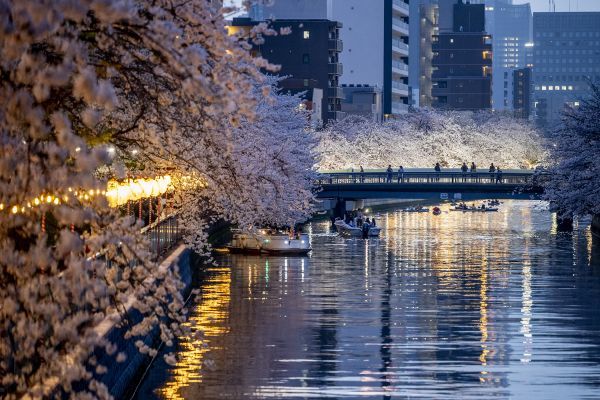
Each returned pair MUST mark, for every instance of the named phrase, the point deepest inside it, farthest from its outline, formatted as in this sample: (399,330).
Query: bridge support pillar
(339,210)
(596,226)
(564,222)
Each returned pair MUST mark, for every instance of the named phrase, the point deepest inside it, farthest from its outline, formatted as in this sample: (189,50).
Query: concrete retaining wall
(121,378)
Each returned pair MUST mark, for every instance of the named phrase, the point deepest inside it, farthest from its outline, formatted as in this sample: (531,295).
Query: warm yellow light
(119,193)
(48,199)
(36,201)
(14,209)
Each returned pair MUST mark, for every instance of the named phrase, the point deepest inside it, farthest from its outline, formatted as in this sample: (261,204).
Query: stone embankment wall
(121,378)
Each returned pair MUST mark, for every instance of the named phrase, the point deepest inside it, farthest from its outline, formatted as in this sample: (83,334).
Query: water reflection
(460,306)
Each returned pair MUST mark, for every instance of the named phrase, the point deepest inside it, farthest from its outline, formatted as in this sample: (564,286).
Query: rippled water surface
(458,306)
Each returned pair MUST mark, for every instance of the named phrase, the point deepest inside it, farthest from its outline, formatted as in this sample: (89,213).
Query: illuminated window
(306,35)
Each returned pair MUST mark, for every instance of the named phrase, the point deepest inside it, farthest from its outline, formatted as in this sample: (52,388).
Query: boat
(437,211)
(417,209)
(474,209)
(352,231)
(269,241)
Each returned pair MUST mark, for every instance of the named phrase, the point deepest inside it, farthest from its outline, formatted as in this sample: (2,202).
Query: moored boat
(269,241)
(352,231)
(417,209)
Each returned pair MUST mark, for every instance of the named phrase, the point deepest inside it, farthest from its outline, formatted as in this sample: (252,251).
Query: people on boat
(373,222)
(390,172)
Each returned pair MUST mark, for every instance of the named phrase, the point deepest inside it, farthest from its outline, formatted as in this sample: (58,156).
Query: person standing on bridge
(492,172)
(473,171)
(498,175)
(401,174)
(362,175)
(438,170)
(464,170)
(390,172)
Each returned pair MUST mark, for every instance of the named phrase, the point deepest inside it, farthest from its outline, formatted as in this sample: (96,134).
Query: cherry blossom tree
(422,138)
(98,89)
(574,180)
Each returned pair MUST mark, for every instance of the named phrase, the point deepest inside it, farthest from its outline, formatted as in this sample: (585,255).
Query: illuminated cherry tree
(574,180)
(98,89)
(423,138)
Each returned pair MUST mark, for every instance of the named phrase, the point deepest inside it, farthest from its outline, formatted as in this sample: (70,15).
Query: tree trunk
(596,226)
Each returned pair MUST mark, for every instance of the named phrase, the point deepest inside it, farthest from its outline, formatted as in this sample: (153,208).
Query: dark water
(459,306)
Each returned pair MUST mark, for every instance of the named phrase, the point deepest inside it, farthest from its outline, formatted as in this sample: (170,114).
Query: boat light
(287,242)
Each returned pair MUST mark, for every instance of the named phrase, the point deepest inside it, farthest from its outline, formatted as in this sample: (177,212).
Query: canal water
(456,306)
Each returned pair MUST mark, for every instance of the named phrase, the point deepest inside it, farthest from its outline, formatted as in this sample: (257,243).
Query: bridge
(426,184)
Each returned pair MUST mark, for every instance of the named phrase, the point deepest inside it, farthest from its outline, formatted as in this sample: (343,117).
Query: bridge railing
(412,177)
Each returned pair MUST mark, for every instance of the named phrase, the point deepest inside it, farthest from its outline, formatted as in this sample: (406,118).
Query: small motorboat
(437,211)
(346,230)
(417,209)
(465,208)
(269,241)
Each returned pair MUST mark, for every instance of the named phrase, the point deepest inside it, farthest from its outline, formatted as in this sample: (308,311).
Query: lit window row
(554,88)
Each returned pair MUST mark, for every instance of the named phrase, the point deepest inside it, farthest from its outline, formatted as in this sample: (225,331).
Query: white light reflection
(527,303)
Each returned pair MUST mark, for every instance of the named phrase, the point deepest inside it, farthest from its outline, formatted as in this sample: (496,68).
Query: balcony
(335,45)
(400,47)
(399,88)
(400,68)
(335,93)
(335,69)
(401,7)
(399,26)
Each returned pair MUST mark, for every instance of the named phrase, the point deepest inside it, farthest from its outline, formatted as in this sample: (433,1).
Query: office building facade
(309,59)
(521,92)
(510,26)
(423,28)
(375,35)
(566,58)
(462,59)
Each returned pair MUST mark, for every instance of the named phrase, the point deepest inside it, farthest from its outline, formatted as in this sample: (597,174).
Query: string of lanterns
(117,194)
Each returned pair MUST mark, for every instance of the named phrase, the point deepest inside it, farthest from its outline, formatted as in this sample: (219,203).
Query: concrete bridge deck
(429,184)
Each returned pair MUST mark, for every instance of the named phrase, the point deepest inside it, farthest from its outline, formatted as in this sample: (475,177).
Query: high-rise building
(510,27)
(462,58)
(423,28)
(566,57)
(309,59)
(375,35)
(521,92)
